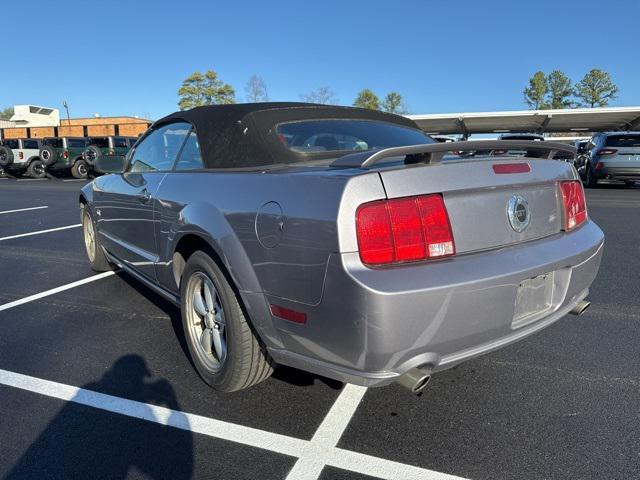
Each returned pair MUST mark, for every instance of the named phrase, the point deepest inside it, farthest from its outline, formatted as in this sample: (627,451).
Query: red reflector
(511,168)
(403,230)
(599,166)
(288,314)
(575,206)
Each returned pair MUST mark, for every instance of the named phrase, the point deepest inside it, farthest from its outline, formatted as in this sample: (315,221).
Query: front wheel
(79,169)
(225,351)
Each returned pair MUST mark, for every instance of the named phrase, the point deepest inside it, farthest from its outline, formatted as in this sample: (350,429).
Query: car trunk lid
(477,195)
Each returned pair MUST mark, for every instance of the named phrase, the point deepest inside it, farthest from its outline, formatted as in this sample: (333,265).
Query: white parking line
(310,464)
(20,235)
(75,180)
(274,442)
(30,179)
(23,209)
(53,291)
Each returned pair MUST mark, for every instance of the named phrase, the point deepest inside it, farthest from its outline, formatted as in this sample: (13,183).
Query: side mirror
(110,164)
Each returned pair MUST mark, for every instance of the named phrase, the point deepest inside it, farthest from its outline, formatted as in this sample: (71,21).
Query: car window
(100,142)
(120,142)
(622,141)
(30,144)
(11,143)
(77,142)
(316,136)
(158,150)
(53,142)
(190,157)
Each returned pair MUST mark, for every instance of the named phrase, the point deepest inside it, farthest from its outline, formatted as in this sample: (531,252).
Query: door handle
(144,196)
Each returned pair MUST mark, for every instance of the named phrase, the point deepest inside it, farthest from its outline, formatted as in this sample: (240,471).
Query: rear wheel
(79,169)
(592,182)
(36,169)
(225,351)
(96,255)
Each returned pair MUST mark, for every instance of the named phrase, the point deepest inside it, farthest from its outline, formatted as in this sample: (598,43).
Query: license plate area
(534,299)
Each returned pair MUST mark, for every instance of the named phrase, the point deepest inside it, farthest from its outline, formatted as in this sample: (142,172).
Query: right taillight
(575,206)
(65,154)
(404,230)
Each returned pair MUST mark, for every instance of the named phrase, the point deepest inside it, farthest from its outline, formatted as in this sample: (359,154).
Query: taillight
(404,230)
(575,206)
(599,166)
(606,151)
(20,155)
(65,154)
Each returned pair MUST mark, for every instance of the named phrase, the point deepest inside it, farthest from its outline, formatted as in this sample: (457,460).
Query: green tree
(535,93)
(322,95)
(367,99)
(7,113)
(204,89)
(596,89)
(393,103)
(560,90)
(256,89)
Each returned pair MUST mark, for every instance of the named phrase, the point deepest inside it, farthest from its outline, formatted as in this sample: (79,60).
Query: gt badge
(518,213)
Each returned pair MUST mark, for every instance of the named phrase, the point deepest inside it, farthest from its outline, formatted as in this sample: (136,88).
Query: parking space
(95,381)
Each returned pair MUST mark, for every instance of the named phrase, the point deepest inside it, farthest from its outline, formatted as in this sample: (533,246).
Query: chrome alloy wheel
(89,237)
(206,321)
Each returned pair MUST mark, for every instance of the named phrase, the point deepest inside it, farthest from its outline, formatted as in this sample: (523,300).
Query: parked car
(612,156)
(367,266)
(107,146)
(581,156)
(521,136)
(64,154)
(21,155)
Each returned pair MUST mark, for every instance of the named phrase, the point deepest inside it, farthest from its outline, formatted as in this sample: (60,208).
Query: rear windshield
(623,141)
(319,136)
(53,142)
(76,142)
(100,142)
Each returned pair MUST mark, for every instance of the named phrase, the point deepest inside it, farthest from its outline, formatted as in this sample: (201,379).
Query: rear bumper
(371,326)
(617,172)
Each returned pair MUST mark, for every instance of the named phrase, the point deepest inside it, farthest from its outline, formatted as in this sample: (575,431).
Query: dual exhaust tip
(418,378)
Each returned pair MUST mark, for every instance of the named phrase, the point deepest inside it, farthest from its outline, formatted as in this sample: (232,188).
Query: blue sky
(130,57)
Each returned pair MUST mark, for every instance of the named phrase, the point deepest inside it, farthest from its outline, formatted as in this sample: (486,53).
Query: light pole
(66,107)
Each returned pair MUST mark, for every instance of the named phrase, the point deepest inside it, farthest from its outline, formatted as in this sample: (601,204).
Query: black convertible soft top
(243,135)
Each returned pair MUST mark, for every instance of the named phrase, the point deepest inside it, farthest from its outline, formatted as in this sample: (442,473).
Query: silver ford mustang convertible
(342,241)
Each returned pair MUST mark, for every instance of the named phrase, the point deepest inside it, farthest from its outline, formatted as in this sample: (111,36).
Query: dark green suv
(112,146)
(65,154)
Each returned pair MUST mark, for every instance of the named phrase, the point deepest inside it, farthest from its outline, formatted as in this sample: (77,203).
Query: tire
(91,154)
(630,183)
(6,156)
(36,169)
(244,361)
(47,155)
(592,182)
(95,254)
(80,169)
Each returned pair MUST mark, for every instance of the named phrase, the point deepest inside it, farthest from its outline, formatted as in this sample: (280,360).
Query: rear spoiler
(433,152)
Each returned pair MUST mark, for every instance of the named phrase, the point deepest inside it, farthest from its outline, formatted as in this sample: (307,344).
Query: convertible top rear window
(320,136)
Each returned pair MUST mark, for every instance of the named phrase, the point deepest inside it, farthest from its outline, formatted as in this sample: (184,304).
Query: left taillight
(404,230)
(575,205)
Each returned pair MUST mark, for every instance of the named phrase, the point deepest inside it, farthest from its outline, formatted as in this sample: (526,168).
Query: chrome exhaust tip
(415,379)
(580,308)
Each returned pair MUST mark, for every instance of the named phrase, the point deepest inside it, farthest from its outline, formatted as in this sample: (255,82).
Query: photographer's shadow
(87,442)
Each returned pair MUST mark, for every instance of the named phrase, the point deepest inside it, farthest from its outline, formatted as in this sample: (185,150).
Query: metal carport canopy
(540,121)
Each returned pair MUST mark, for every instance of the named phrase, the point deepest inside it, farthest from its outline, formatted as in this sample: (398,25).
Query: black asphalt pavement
(564,403)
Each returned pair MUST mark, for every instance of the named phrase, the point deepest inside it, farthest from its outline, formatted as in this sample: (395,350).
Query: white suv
(22,155)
